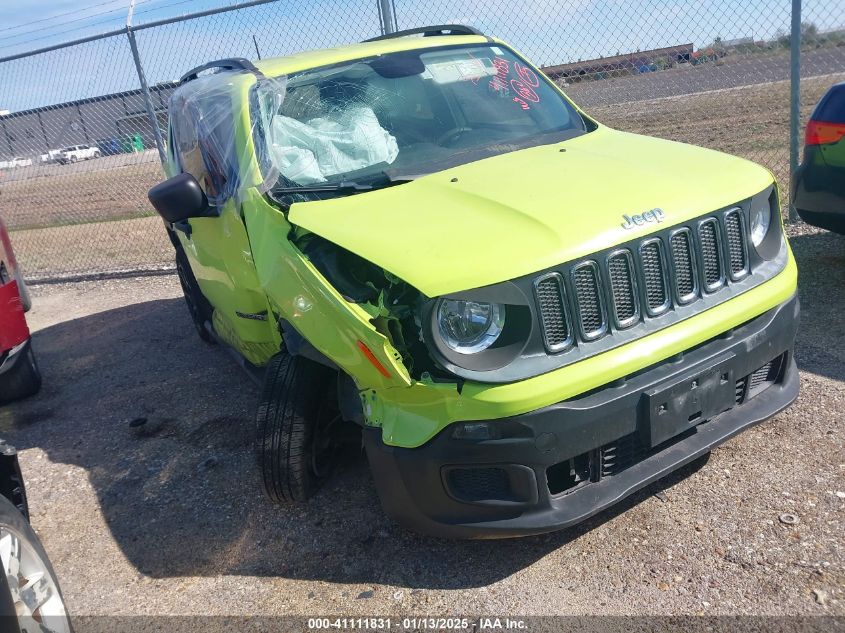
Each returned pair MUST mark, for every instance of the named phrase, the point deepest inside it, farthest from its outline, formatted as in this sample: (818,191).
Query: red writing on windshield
(503,69)
(522,85)
(525,84)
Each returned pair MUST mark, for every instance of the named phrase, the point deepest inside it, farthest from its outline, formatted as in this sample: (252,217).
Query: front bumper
(559,465)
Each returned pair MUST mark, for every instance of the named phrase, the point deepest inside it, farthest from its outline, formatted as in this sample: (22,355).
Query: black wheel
(296,427)
(30,597)
(199,307)
(22,380)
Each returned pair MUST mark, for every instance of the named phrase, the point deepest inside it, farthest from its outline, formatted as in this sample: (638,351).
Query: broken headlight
(469,327)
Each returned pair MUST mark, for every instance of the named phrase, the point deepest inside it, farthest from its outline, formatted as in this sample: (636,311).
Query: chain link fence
(78,145)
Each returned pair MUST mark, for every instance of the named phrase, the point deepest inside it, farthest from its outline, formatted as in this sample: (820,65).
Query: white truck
(17,161)
(52,156)
(79,152)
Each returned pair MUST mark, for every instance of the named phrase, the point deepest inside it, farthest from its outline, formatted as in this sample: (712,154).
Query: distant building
(630,62)
(103,121)
(739,41)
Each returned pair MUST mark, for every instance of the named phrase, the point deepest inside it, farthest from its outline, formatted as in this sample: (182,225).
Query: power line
(164,6)
(6,42)
(56,34)
(60,15)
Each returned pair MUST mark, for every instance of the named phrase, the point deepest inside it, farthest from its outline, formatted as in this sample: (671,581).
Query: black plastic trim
(231,63)
(430,31)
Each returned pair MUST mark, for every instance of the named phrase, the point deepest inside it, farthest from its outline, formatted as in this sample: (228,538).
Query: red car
(19,375)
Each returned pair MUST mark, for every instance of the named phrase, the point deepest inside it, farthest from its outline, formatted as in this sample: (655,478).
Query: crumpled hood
(517,213)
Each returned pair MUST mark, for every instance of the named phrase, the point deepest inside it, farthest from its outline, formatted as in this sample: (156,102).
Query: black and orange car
(818,188)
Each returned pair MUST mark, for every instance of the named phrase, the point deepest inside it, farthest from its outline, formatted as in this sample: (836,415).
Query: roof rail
(233,63)
(428,31)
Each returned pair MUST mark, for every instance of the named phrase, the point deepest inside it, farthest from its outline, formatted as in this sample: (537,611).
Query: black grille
(589,300)
(641,281)
(621,271)
(654,276)
(479,484)
(710,258)
(737,257)
(621,454)
(759,380)
(682,262)
(553,312)
(741,385)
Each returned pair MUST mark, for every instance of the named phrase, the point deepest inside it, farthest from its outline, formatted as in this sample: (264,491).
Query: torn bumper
(554,467)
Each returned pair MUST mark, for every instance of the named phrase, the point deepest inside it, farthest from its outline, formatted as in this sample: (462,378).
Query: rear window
(832,106)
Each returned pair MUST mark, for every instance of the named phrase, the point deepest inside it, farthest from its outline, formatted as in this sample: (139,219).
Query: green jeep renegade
(419,241)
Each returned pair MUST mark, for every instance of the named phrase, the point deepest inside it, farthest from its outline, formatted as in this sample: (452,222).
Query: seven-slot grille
(642,281)
(589,300)
(737,253)
(550,299)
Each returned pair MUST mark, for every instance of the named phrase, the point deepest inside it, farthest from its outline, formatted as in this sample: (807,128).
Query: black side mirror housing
(179,198)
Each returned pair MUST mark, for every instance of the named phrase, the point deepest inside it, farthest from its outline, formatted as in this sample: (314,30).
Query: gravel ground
(166,516)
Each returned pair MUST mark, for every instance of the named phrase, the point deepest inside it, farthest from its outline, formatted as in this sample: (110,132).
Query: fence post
(388,20)
(148,102)
(794,95)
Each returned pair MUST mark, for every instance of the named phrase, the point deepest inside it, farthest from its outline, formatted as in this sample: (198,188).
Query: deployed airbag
(345,140)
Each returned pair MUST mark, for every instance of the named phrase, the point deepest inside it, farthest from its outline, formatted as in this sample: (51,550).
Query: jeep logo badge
(653,215)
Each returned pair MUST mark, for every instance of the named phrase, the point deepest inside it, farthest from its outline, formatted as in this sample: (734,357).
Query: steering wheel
(452,135)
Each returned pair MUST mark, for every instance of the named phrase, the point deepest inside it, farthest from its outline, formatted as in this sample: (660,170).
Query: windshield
(404,114)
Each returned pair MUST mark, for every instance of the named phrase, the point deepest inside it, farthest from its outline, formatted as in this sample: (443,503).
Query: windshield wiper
(340,187)
(345,186)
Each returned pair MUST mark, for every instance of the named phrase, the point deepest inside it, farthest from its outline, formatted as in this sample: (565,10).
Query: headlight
(761,218)
(468,327)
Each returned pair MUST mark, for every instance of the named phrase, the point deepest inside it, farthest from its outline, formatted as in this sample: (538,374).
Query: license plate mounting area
(682,403)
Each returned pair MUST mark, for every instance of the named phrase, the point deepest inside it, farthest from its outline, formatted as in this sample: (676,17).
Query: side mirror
(179,198)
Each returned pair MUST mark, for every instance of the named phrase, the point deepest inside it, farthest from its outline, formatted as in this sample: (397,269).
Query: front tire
(199,307)
(22,380)
(296,427)
(30,597)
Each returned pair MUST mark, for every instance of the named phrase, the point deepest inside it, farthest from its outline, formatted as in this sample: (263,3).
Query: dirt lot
(751,121)
(167,517)
(729,72)
(101,189)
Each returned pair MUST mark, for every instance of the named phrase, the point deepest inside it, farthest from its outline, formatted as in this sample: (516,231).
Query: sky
(547,31)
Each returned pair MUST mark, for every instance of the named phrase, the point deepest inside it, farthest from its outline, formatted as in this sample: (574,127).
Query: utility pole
(388,19)
(794,95)
(148,102)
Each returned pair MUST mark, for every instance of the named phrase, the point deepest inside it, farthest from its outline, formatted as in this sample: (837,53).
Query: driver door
(202,141)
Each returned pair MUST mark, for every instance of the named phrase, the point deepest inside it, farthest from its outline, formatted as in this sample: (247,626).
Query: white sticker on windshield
(468,69)
(497,50)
